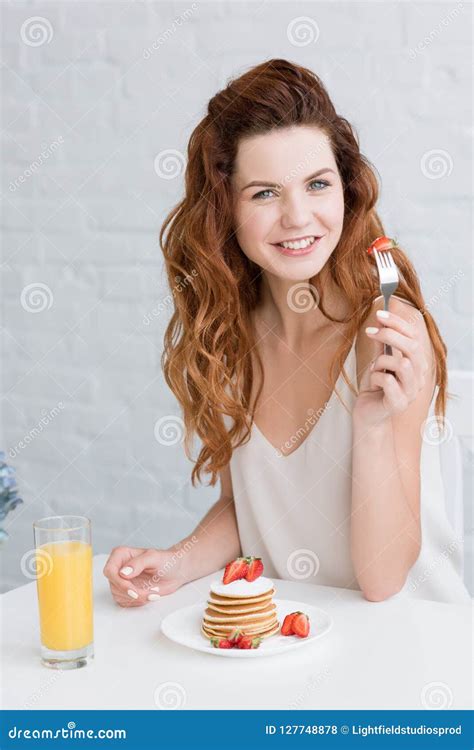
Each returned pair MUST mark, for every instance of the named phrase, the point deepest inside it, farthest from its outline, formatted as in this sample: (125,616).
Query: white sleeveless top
(294,511)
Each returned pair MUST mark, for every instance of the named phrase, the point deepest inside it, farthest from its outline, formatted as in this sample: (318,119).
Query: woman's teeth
(299,245)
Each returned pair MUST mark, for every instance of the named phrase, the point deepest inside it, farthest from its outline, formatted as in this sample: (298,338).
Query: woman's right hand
(136,573)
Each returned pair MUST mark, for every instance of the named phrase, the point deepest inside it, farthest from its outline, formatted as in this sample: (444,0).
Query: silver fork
(388,275)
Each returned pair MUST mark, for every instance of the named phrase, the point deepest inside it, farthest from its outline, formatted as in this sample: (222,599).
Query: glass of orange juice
(63,553)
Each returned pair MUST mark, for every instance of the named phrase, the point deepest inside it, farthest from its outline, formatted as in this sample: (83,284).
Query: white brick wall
(86,223)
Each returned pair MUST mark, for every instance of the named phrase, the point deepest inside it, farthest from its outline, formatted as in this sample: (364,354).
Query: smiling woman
(279,331)
(299,216)
(295,245)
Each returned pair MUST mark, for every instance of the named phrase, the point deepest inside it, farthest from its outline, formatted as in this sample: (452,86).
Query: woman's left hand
(383,394)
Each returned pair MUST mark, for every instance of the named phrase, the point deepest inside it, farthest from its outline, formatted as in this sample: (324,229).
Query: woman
(275,353)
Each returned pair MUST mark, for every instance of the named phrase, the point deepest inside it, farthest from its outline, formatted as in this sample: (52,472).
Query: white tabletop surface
(393,654)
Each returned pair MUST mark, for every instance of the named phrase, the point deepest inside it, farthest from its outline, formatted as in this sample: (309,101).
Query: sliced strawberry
(236,636)
(255,568)
(249,641)
(287,627)
(301,624)
(382,243)
(235,570)
(221,642)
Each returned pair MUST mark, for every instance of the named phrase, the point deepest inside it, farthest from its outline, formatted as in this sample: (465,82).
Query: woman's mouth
(298,247)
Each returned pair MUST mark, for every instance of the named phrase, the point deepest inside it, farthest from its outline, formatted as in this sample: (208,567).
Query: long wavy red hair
(206,358)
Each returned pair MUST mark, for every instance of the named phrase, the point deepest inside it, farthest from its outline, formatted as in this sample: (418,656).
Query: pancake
(238,609)
(232,600)
(211,616)
(241,588)
(225,631)
(247,627)
(271,631)
(241,604)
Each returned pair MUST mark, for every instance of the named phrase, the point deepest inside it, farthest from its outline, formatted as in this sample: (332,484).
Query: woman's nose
(296,213)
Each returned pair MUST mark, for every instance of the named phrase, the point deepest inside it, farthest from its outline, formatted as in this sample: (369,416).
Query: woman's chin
(304,268)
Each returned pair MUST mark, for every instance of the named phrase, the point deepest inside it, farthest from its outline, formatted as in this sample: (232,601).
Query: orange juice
(64,581)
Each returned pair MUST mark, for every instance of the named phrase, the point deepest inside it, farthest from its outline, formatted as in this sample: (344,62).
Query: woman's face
(278,198)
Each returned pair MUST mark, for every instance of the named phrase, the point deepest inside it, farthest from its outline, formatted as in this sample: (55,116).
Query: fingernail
(371,330)
(127,570)
(133,594)
(383,313)
(153,597)
(154,588)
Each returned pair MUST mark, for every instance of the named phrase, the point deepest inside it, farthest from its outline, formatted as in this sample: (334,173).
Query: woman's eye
(261,194)
(321,182)
(264,193)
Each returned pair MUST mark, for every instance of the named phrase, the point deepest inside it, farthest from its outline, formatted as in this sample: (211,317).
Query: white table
(378,655)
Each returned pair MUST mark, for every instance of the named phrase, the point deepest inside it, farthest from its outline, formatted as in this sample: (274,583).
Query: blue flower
(9,498)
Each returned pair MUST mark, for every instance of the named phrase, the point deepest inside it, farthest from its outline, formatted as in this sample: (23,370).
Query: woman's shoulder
(397,304)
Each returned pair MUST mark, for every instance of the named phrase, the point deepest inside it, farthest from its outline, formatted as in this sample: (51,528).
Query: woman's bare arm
(215,540)
(385,524)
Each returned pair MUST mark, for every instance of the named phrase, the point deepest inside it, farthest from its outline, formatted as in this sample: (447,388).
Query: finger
(129,590)
(123,599)
(143,576)
(403,369)
(387,361)
(391,320)
(121,557)
(408,346)
(139,592)
(149,558)
(395,399)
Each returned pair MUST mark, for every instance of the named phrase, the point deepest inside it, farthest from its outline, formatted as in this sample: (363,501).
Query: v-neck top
(294,510)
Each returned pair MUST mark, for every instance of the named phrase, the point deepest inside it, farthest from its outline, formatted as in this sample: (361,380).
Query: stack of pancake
(242,604)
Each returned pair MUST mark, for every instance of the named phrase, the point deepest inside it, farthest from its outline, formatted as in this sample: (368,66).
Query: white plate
(184,626)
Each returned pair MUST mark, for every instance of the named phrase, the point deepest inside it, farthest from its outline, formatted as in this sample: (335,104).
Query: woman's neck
(290,308)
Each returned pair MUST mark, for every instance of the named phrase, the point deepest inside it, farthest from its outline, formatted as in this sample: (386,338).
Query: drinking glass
(63,555)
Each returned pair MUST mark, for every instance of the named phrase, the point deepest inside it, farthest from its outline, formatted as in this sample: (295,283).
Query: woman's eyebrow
(262,183)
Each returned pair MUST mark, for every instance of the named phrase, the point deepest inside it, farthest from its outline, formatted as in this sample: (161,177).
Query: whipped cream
(241,587)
